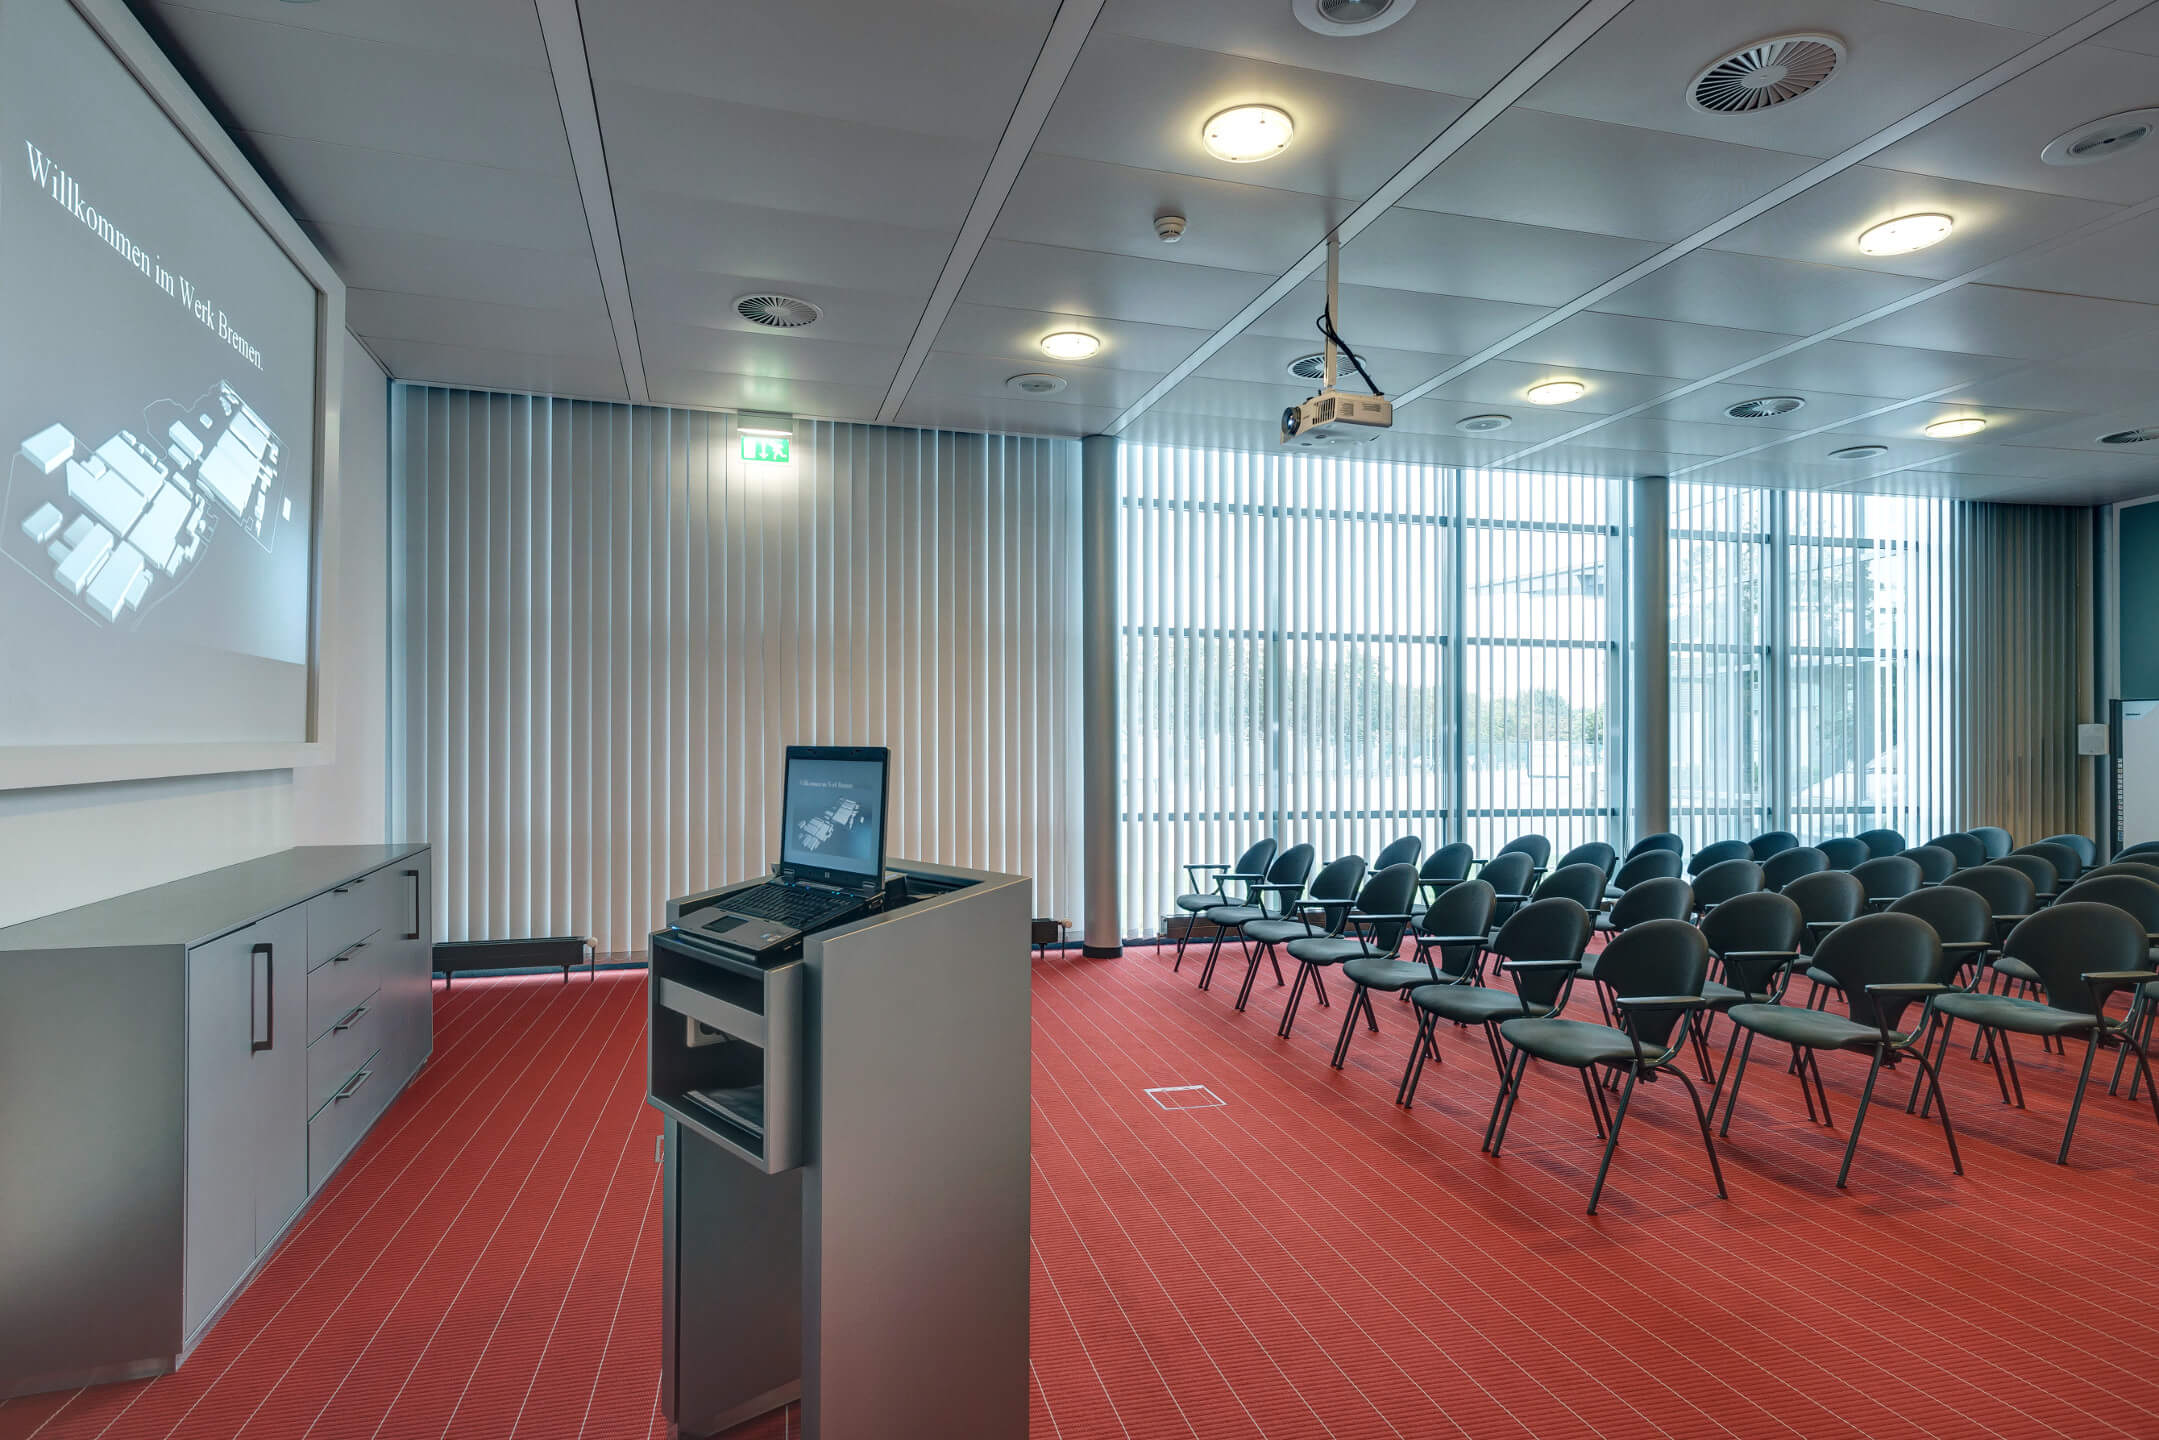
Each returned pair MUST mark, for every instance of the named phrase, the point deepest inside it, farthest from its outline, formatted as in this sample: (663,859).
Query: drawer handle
(268,955)
(351,1019)
(345,1093)
(348,952)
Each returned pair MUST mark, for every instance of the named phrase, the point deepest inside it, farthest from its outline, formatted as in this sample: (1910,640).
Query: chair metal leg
(1182,936)
(1296,994)
(2076,1103)
(2144,1074)
(1419,1048)
(1214,953)
(1934,1098)
(1731,1047)
(1611,1142)
(2144,1044)
(1731,1096)
(1349,1026)
(1504,1115)
(1701,1118)
(1821,1091)
(1319,988)
(1589,1091)
(1866,1096)
(1701,1050)
(1251,972)
(1370,1018)
(1806,1092)
(2009,1058)
(1932,1042)
(2131,1024)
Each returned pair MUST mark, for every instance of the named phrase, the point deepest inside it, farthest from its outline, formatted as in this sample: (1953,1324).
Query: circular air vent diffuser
(1036,384)
(777,312)
(1763,408)
(2101,139)
(1348,17)
(1481,424)
(1309,367)
(1859,452)
(2131,437)
(1766,73)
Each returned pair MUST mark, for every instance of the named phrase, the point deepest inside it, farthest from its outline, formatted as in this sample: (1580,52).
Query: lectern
(846,1181)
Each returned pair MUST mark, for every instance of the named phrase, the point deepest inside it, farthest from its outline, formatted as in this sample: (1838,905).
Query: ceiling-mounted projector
(1334,418)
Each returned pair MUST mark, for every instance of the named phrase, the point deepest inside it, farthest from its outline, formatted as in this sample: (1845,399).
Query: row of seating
(2020,942)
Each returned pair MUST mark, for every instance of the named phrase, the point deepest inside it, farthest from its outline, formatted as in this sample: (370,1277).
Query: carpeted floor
(1301,1259)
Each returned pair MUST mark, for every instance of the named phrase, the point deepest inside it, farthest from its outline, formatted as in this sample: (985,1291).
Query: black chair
(2046,880)
(2142,847)
(1655,973)
(1756,941)
(2082,952)
(1882,963)
(1721,882)
(2008,891)
(1274,898)
(1448,865)
(2086,852)
(1375,932)
(1593,852)
(1996,841)
(1967,847)
(1211,886)
(1450,949)
(1772,842)
(2139,895)
(1331,896)
(2135,867)
(1882,842)
(1508,873)
(1825,900)
(1782,868)
(1662,840)
(1536,847)
(1718,852)
(1962,920)
(2067,867)
(1844,852)
(1665,898)
(1405,850)
(1887,878)
(1583,883)
(1935,863)
(1542,945)
(1649,865)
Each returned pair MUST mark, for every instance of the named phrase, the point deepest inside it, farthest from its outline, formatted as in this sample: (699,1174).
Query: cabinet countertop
(202,907)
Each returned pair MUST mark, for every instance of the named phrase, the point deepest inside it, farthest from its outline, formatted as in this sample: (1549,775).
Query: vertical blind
(607,625)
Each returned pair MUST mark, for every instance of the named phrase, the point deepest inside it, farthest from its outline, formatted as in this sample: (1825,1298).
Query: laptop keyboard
(791,905)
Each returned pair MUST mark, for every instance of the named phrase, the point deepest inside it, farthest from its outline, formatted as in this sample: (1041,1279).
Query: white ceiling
(569,195)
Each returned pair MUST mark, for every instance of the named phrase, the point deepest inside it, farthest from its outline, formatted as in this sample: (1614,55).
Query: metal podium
(846,1182)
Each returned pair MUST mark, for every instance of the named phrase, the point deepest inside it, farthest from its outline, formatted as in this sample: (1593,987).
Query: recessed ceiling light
(1557,392)
(1036,384)
(1905,234)
(1483,424)
(1859,452)
(1349,17)
(2099,140)
(1764,407)
(2131,437)
(1243,134)
(1070,345)
(1956,429)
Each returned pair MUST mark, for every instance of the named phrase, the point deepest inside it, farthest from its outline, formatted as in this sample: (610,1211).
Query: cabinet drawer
(343,1049)
(343,917)
(342,1120)
(336,986)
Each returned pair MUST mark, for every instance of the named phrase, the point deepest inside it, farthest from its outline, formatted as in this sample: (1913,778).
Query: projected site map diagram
(113,528)
(818,829)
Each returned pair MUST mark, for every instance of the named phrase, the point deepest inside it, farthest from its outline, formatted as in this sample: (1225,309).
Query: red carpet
(1302,1260)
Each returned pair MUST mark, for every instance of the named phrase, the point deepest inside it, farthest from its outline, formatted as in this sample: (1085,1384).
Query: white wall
(68,845)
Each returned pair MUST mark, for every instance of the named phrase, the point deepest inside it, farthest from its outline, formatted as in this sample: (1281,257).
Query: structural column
(1102,934)
(1649,673)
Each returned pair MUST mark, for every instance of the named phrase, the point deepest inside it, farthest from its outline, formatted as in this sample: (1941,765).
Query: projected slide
(157,416)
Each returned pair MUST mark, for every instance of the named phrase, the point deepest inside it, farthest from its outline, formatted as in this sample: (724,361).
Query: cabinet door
(277,1080)
(225,1019)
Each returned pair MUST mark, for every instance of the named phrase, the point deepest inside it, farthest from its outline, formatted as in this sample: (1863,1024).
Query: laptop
(832,852)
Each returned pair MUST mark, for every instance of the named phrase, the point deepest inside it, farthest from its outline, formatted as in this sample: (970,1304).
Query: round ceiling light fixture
(1957,428)
(1484,424)
(1349,17)
(1859,452)
(1070,345)
(1905,234)
(1762,407)
(1246,134)
(2131,437)
(1767,73)
(1556,392)
(777,312)
(1036,384)
(2103,139)
(1309,367)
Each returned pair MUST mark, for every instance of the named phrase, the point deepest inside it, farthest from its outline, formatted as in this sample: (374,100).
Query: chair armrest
(1659,1002)
(1540,965)
(1910,989)
(2106,982)
(1510,897)
(1822,927)
(1370,915)
(1787,956)
(1279,887)
(1424,939)
(1205,866)
(1967,947)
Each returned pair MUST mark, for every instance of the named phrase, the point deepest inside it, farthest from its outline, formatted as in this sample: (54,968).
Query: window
(1720,658)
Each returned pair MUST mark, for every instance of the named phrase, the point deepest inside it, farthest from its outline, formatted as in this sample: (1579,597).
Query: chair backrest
(1882,842)
(1935,863)
(1996,841)
(2086,852)
(1292,867)
(1448,864)
(1762,923)
(1337,884)
(1721,882)
(1256,858)
(1508,872)
(1967,847)
(2064,860)
(2133,893)
(2006,889)
(2142,847)
(1595,852)
(1662,840)
(1555,929)
(1405,850)
(1829,896)
(1389,892)
(1581,883)
(1887,877)
(1958,915)
(1536,847)
(1772,842)
(1717,852)
(1656,957)
(1461,909)
(1665,898)
(2065,941)
(1782,868)
(1844,852)
(2044,877)
(2126,867)
(1649,865)
(1884,949)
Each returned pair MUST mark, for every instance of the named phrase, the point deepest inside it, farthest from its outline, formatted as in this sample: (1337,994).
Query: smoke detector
(2101,139)
(777,312)
(1765,74)
(1349,17)
(1036,384)
(1169,228)
(1764,407)
(1484,424)
(2131,437)
(1309,367)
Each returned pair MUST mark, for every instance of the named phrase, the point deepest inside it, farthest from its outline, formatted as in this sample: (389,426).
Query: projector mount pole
(1334,281)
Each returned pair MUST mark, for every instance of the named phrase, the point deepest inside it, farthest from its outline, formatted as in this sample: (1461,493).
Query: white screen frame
(32,766)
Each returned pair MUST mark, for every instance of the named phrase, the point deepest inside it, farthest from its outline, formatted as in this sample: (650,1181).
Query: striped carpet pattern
(1282,1253)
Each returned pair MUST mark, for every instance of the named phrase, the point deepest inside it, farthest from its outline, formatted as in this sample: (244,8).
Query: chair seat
(1571,1042)
(1197,903)
(1234,915)
(1375,973)
(1277,932)
(2013,1012)
(1815,1029)
(1327,950)
(2016,969)
(1723,997)
(1823,977)
(1472,1004)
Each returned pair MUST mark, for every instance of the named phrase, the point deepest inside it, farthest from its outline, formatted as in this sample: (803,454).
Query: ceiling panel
(1016,334)
(372,259)
(1652,347)
(769,356)
(1656,434)
(571,332)
(862,317)
(706,390)
(1501,385)
(1265,359)
(982,377)
(1847,366)
(1994,320)
(1822,407)
(936,409)
(1120,287)
(2083,432)
(1906,427)
(1753,292)
(502,32)
(1440,325)
(2083,388)
(1484,259)
(518,370)
(671,231)
(2115,264)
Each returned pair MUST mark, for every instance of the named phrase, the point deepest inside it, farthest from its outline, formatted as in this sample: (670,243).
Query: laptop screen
(834,815)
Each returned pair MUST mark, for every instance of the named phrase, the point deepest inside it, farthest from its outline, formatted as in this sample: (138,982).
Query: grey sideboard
(181,1068)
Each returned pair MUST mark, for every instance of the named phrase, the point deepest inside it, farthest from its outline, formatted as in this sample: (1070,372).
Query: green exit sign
(768,449)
